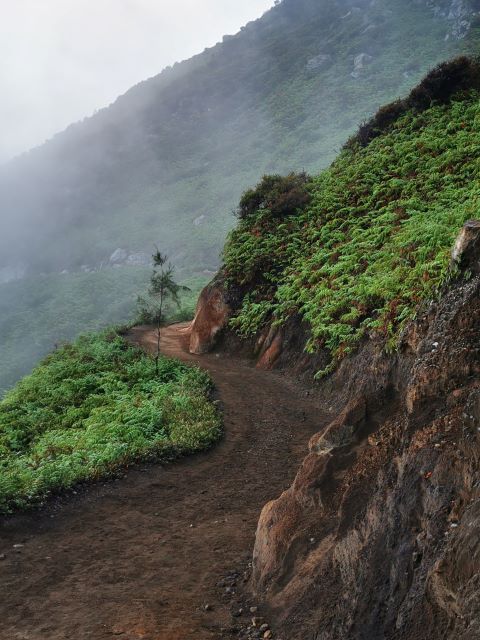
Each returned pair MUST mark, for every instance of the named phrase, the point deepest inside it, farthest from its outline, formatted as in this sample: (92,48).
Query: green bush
(281,195)
(93,407)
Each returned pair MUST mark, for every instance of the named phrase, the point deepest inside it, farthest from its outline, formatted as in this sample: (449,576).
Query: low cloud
(62,59)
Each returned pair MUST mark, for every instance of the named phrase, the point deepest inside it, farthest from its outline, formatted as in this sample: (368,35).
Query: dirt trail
(140,557)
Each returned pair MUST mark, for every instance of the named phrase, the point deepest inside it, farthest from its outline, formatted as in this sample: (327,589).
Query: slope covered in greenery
(374,236)
(91,408)
(169,159)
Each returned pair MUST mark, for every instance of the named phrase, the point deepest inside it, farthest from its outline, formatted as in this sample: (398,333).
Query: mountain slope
(167,161)
(375,236)
(378,275)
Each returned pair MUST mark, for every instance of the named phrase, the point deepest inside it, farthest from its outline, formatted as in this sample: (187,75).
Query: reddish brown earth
(140,557)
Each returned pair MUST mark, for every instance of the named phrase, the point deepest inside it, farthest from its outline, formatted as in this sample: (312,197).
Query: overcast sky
(62,59)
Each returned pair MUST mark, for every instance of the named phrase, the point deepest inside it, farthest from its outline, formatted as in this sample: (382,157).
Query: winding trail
(140,557)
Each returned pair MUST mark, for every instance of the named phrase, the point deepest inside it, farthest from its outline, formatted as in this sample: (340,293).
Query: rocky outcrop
(458,14)
(319,62)
(467,246)
(379,535)
(122,257)
(211,316)
(360,61)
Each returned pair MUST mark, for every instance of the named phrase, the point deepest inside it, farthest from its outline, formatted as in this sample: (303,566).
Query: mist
(166,155)
(60,60)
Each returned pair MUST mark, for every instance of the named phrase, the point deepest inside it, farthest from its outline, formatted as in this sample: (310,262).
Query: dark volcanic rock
(379,535)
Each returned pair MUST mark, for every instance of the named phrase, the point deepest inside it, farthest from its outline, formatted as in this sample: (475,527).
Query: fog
(60,60)
(166,164)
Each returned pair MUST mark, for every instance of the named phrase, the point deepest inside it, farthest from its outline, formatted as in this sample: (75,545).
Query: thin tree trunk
(159,324)
(157,357)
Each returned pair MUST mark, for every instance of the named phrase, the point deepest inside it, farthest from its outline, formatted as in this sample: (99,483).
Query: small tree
(163,289)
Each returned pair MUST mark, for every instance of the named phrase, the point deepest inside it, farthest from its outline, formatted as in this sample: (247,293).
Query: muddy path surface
(140,557)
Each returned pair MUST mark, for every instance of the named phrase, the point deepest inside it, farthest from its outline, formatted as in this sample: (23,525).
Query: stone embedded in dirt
(2,556)
(253,609)
(268,634)
(208,607)
(18,546)
(264,627)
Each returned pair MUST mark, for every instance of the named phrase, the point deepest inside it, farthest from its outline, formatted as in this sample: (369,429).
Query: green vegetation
(170,158)
(377,234)
(93,407)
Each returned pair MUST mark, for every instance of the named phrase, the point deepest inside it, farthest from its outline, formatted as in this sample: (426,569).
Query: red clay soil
(140,557)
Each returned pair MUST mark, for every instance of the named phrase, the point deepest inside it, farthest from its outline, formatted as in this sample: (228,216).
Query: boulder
(361,60)
(199,221)
(318,62)
(118,256)
(466,251)
(211,316)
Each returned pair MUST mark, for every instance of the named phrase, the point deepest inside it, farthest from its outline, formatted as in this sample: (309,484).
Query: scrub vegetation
(94,407)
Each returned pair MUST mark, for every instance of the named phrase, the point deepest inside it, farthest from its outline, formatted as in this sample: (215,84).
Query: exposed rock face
(270,346)
(118,256)
(318,62)
(359,63)
(457,13)
(378,538)
(199,221)
(211,316)
(467,246)
(122,257)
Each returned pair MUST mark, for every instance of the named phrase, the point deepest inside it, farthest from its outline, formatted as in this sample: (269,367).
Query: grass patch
(93,407)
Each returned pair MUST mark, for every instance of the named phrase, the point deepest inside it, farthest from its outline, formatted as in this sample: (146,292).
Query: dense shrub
(281,195)
(92,407)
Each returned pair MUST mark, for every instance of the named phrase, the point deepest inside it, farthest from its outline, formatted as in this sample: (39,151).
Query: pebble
(18,546)
(2,556)
(253,609)
(268,634)
(264,627)
(208,607)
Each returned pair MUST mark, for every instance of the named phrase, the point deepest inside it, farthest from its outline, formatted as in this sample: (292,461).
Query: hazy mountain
(168,160)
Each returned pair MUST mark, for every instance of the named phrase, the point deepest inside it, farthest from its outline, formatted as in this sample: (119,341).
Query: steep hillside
(352,251)
(168,160)
(372,274)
